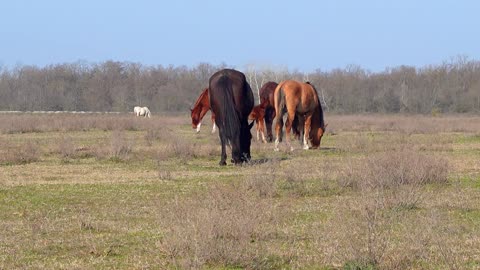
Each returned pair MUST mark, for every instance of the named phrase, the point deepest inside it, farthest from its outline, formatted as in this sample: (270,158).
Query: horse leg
(198,126)
(213,121)
(269,115)
(298,128)
(257,128)
(278,131)
(288,127)
(223,158)
(306,131)
(262,130)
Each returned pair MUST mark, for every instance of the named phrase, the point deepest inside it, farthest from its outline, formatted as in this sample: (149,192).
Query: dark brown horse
(231,99)
(258,115)
(267,95)
(201,107)
(300,100)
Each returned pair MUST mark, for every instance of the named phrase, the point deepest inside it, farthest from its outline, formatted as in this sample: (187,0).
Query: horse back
(233,84)
(267,94)
(230,96)
(301,96)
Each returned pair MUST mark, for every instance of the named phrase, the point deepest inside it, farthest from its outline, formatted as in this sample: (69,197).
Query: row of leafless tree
(452,87)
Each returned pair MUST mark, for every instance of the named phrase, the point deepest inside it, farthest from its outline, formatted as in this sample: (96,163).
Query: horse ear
(250,125)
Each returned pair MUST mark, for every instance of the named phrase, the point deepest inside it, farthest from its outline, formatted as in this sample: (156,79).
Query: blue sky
(300,34)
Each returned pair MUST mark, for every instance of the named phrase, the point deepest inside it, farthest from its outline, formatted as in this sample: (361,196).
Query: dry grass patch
(420,124)
(374,223)
(120,146)
(373,197)
(223,226)
(26,123)
(400,175)
(12,154)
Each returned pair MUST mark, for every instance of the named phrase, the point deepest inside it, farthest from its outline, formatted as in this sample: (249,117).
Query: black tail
(231,123)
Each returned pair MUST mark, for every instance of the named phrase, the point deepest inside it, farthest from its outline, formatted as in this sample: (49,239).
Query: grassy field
(118,192)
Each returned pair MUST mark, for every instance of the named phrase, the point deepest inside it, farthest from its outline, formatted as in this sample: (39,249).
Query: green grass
(94,210)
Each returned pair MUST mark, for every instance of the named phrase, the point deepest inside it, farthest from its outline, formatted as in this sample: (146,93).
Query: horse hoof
(291,149)
(276,149)
(306,148)
(222,163)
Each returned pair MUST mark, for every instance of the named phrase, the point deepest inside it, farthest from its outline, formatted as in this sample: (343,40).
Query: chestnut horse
(201,107)
(267,95)
(300,100)
(258,114)
(231,99)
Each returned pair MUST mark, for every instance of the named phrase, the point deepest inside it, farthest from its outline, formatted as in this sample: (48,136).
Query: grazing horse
(267,95)
(231,99)
(299,100)
(258,114)
(201,107)
(141,111)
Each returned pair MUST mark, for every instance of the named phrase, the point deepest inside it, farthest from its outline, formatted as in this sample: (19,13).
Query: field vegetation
(119,192)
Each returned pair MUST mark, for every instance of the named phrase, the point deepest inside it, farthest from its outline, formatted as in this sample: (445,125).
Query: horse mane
(200,98)
(318,111)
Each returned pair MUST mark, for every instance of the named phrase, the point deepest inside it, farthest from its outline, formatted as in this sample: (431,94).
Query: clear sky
(300,34)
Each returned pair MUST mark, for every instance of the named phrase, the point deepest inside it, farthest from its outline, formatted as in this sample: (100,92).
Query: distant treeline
(452,87)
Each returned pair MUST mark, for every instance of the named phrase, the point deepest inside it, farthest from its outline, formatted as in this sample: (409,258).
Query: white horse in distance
(141,111)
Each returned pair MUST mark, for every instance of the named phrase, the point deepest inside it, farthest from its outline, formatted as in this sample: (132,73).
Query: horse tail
(231,122)
(279,100)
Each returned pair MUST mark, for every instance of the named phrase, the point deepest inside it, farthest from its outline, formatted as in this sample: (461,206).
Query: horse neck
(202,99)
(253,115)
(203,103)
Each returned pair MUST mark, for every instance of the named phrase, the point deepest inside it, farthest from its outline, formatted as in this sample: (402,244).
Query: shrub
(120,146)
(66,149)
(223,226)
(263,181)
(394,169)
(19,154)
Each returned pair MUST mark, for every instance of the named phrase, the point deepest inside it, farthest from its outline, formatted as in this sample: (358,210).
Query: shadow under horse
(231,100)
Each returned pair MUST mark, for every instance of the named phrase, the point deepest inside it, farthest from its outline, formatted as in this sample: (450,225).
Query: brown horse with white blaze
(300,100)
(201,107)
